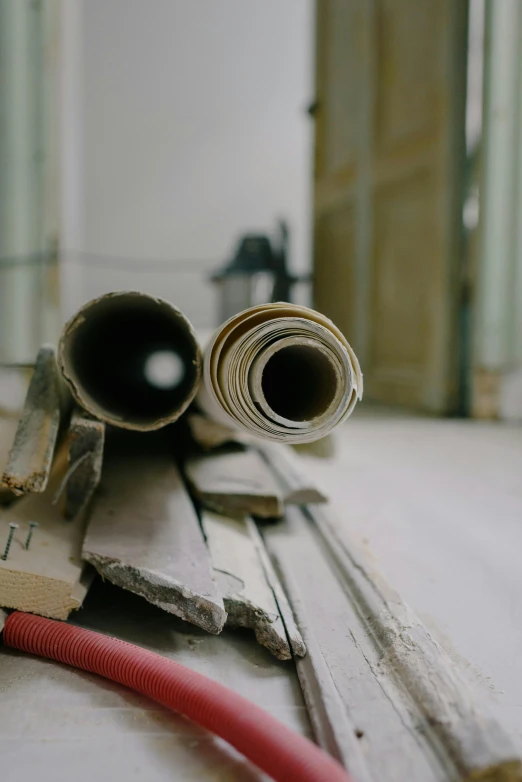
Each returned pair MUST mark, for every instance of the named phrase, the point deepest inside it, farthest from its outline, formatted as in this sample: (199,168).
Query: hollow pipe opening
(299,382)
(132,360)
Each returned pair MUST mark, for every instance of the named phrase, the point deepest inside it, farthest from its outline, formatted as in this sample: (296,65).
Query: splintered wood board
(235,481)
(30,459)
(48,579)
(292,631)
(144,534)
(86,441)
(248,597)
(8,425)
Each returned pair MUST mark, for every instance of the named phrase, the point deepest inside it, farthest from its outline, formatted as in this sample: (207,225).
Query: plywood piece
(297,487)
(247,595)
(235,481)
(144,534)
(86,441)
(30,459)
(48,579)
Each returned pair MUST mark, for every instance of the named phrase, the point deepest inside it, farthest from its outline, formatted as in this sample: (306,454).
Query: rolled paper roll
(131,360)
(282,372)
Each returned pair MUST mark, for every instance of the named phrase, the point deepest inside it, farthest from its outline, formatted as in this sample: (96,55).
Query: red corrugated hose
(275,749)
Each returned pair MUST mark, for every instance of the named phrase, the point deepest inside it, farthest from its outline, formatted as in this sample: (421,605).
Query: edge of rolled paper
(208,398)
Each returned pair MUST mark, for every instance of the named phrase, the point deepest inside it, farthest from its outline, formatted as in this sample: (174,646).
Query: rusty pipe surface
(131,360)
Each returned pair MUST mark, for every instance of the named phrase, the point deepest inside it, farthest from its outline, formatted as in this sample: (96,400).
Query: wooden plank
(49,578)
(297,487)
(31,456)
(247,595)
(144,534)
(333,728)
(373,705)
(8,426)
(14,382)
(236,481)
(399,693)
(210,434)
(478,745)
(294,636)
(86,441)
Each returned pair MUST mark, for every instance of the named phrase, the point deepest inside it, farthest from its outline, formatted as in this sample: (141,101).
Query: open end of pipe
(299,383)
(132,358)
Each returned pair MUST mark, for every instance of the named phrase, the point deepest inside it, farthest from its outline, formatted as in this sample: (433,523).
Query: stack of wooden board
(51,463)
(221,531)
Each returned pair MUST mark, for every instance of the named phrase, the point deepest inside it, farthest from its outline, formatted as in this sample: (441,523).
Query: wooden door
(389,160)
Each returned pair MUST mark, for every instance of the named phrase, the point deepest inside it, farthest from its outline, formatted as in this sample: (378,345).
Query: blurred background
(363,156)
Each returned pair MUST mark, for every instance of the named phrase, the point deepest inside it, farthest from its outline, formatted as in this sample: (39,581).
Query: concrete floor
(438,504)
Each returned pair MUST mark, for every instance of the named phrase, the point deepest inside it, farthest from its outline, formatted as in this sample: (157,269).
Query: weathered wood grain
(8,426)
(472,739)
(296,485)
(86,441)
(332,724)
(14,382)
(49,578)
(30,459)
(144,534)
(236,481)
(210,434)
(400,693)
(294,636)
(247,595)
(373,705)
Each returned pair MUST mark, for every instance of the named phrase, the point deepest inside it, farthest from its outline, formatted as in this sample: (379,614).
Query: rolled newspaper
(131,360)
(282,372)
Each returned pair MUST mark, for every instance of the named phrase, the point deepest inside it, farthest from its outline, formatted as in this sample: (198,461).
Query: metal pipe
(131,360)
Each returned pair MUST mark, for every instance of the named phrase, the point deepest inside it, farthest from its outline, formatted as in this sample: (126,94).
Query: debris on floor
(178,485)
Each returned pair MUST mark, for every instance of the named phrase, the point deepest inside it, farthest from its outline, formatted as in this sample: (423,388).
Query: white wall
(194,130)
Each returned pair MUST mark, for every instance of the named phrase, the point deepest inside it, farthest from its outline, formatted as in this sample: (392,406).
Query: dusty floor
(438,503)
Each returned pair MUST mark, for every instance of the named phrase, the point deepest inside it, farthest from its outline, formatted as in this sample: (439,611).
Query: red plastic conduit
(274,748)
